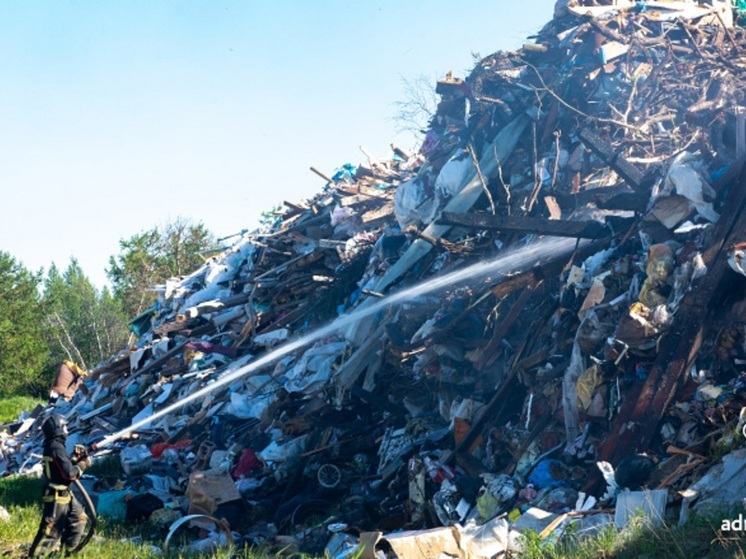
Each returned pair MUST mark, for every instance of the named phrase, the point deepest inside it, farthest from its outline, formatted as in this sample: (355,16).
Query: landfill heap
(455,418)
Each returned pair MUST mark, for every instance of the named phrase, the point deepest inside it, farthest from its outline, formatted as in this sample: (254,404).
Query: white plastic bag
(413,205)
(685,176)
(453,176)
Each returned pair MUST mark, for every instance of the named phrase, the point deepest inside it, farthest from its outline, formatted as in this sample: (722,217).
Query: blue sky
(119,116)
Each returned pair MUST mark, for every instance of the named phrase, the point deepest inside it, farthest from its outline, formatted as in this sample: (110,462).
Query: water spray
(510,261)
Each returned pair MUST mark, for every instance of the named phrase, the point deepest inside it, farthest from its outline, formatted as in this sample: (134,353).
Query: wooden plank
(539,226)
(310,258)
(362,190)
(351,369)
(294,209)
(322,175)
(630,201)
(119,366)
(354,200)
(162,360)
(363,198)
(596,196)
(177,325)
(516,282)
(539,357)
(555,212)
(631,174)
(373,218)
(315,220)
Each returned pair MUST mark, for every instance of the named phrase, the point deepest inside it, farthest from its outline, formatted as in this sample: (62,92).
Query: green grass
(700,538)
(21,491)
(12,406)
(21,496)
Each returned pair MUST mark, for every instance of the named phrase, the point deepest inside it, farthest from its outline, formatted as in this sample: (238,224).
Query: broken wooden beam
(635,178)
(294,209)
(118,366)
(377,216)
(362,198)
(180,323)
(536,225)
(625,201)
(153,365)
(400,153)
(363,357)
(618,197)
(322,175)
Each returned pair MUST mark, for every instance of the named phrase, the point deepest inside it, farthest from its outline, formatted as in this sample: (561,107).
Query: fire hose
(82,453)
(92,517)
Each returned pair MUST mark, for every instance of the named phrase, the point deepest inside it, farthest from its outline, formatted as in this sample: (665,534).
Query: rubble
(459,415)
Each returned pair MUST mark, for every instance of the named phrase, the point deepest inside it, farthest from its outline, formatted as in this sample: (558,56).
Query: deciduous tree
(84,325)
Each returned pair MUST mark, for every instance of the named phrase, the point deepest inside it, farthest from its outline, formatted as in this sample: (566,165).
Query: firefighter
(63,517)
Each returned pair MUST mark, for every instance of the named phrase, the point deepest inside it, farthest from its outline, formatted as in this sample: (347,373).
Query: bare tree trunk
(70,341)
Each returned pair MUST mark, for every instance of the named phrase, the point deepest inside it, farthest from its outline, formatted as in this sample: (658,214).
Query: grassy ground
(21,496)
(700,539)
(14,405)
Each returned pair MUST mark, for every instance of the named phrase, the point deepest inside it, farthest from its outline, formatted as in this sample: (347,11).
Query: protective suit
(67,381)
(63,517)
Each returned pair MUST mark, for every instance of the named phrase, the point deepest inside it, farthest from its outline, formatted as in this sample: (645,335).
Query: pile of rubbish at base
(538,320)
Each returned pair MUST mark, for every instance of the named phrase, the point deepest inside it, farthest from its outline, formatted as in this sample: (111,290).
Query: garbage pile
(591,374)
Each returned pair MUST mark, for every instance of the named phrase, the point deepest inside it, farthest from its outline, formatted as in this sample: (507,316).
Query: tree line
(46,317)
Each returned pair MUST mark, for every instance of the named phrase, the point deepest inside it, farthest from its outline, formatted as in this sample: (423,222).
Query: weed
(732,439)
